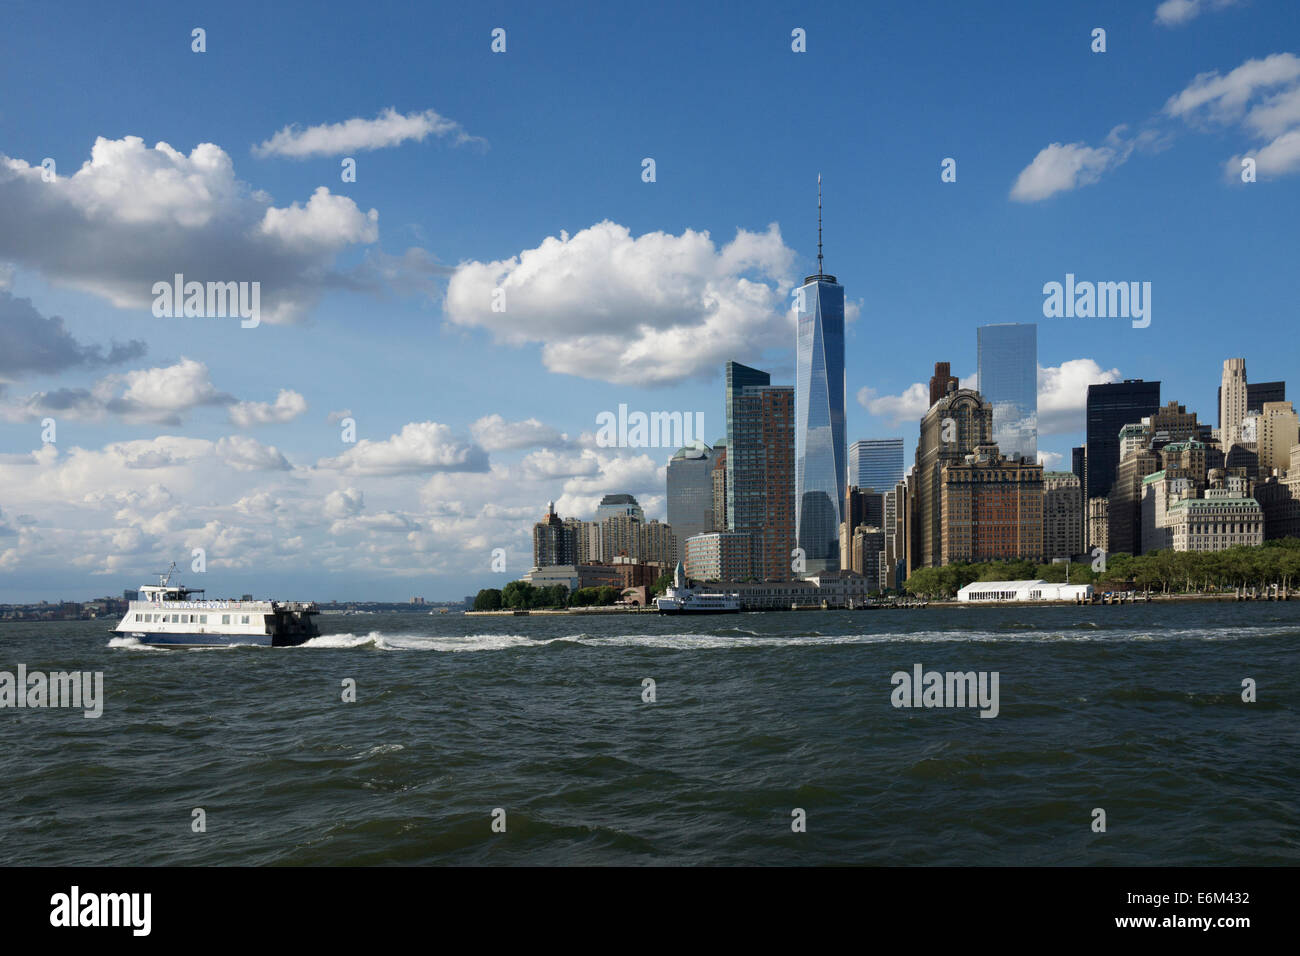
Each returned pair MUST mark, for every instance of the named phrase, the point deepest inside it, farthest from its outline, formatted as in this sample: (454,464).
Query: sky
(503,267)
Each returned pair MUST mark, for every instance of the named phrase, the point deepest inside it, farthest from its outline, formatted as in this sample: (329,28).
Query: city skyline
(182,433)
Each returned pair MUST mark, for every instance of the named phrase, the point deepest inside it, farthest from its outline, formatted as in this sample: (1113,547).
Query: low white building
(988,592)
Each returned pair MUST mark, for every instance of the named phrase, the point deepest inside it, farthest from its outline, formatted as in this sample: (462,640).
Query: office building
(876,463)
(690,492)
(821,454)
(1008,380)
(1110,408)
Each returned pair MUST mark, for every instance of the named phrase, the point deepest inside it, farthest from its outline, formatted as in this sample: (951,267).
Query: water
(1133,709)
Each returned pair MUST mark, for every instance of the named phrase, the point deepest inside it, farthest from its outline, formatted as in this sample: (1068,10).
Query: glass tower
(821,456)
(876,463)
(1008,379)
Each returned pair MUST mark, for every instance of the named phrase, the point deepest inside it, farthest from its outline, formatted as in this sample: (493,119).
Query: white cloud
(389,128)
(1224,97)
(494,433)
(1059,168)
(132,216)
(1172,13)
(248,454)
(1049,459)
(910,406)
(344,503)
(288,405)
(648,310)
(419,447)
(1063,394)
(161,395)
(1278,158)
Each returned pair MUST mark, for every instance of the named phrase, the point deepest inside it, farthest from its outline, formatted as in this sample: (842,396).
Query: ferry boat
(169,615)
(680,599)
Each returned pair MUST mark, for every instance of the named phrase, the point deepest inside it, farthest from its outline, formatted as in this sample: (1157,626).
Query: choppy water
(1136,710)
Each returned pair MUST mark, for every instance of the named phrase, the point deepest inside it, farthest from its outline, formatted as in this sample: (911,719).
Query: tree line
(521,595)
(1169,572)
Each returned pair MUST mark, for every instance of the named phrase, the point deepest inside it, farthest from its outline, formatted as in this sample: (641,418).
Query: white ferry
(169,615)
(680,599)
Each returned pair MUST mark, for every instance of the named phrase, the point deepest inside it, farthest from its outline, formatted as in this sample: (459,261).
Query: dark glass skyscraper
(1008,378)
(820,446)
(1110,408)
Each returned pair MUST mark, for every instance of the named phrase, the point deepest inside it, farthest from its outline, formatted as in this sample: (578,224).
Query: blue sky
(528,177)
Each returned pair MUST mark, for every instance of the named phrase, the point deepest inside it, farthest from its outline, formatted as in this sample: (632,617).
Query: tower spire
(820,271)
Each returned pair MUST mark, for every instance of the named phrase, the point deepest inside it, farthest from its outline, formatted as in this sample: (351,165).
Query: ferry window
(203,619)
(137,618)
(225,619)
(243,619)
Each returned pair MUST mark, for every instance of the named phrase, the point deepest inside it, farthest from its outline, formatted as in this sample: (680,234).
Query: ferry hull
(214,640)
(692,611)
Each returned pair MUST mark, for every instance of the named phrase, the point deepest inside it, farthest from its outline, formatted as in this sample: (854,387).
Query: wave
(742,638)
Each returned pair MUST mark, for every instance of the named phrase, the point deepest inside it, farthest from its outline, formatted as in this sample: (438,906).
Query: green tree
(488,599)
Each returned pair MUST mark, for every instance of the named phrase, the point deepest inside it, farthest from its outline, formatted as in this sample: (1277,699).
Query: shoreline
(1221,598)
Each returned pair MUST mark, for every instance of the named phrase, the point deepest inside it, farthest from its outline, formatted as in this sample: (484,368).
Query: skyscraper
(690,493)
(820,451)
(760,468)
(1232,402)
(876,463)
(1110,408)
(612,505)
(1008,378)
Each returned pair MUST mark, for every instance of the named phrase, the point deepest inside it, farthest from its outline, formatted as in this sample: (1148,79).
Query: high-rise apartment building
(760,468)
(991,508)
(1279,430)
(1062,515)
(553,542)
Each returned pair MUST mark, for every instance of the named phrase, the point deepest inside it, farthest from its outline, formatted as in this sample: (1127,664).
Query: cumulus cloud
(389,128)
(1049,459)
(33,344)
(644,310)
(1172,13)
(156,395)
(418,447)
(1261,97)
(287,406)
(1062,167)
(494,433)
(132,216)
(909,406)
(248,454)
(1063,394)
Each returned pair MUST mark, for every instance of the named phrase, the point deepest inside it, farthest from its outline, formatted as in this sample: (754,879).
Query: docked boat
(170,615)
(678,598)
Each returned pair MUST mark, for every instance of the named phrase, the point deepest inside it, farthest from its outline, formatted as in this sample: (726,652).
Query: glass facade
(821,455)
(690,494)
(876,463)
(1110,408)
(1008,379)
